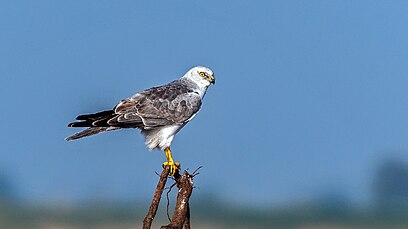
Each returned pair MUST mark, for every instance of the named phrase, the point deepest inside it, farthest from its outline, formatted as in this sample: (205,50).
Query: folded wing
(153,108)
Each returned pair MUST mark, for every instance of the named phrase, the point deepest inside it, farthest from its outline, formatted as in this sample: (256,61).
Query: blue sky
(310,97)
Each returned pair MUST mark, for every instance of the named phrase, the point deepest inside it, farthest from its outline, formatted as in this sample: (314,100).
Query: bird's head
(202,76)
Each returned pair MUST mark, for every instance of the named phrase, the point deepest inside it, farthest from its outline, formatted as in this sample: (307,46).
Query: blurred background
(306,127)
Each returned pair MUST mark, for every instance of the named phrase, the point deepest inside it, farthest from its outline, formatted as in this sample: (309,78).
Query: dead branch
(181,215)
(147,222)
(187,222)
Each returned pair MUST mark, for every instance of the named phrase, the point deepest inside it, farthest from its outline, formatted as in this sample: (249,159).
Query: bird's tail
(90,131)
(97,123)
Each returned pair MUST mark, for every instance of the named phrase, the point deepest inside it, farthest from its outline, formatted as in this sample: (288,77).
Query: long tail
(97,123)
(90,131)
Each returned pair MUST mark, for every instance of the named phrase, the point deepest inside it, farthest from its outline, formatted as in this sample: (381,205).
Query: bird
(159,112)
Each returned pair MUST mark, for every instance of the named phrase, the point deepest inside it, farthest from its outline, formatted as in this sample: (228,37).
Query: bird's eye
(202,74)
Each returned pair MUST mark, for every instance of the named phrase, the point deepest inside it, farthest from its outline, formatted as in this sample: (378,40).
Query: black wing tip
(77,124)
(80,124)
(95,116)
(87,120)
(83,117)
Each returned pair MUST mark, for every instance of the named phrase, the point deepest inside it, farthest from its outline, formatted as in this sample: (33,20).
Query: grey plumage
(159,112)
(171,104)
(90,131)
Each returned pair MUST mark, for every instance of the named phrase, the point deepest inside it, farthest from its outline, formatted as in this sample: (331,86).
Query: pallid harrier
(159,112)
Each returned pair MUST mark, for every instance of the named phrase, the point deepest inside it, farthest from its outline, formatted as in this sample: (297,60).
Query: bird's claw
(174,167)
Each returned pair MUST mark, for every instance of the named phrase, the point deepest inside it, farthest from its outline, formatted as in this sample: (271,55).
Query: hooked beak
(212,78)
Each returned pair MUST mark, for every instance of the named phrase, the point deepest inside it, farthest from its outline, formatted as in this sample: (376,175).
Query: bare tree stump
(181,215)
(147,222)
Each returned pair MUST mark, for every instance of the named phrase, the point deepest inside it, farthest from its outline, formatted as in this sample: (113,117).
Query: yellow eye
(202,74)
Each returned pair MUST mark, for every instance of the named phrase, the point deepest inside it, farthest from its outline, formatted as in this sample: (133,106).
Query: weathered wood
(181,215)
(182,210)
(147,222)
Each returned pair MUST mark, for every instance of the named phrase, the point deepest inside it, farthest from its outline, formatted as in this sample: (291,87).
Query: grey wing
(174,103)
(159,106)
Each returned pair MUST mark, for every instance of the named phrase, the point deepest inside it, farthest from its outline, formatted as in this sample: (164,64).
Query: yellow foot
(174,167)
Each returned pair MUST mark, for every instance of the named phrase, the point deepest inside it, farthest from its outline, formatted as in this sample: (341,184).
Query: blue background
(311,96)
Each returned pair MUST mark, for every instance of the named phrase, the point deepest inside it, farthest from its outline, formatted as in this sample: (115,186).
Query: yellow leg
(174,166)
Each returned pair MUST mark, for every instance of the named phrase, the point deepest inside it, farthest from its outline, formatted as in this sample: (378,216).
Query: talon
(174,167)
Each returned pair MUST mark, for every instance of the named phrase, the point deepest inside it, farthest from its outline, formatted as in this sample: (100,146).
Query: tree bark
(147,222)
(181,215)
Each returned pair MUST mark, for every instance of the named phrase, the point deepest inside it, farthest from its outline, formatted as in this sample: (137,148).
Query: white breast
(161,137)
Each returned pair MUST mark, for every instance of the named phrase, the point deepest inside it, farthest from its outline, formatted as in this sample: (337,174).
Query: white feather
(161,138)
(194,76)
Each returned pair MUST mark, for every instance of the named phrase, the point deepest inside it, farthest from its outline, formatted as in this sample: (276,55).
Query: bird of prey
(159,112)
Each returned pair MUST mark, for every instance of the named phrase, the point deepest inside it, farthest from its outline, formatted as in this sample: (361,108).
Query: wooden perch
(147,222)
(181,215)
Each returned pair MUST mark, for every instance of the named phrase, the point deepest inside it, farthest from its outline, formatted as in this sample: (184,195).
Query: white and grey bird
(159,112)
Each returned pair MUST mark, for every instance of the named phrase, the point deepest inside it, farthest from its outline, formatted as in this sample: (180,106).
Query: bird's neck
(198,87)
